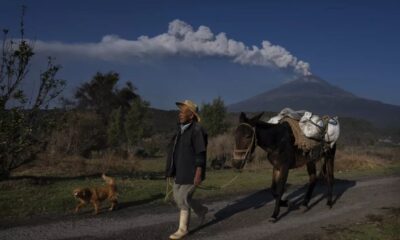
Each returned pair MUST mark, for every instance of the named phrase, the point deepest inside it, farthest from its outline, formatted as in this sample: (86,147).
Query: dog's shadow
(104,206)
(123,205)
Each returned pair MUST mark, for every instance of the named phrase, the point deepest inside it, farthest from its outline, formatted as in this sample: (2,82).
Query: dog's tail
(109,180)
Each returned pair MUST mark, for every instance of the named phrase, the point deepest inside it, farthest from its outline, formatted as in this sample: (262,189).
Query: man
(186,163)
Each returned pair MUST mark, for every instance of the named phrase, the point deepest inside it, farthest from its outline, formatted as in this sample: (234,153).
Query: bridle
(248,150)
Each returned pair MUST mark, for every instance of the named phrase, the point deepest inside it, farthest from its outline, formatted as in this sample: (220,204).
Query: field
(375,226)
(45,187)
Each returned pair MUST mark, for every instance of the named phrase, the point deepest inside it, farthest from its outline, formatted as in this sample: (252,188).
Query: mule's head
(245,140)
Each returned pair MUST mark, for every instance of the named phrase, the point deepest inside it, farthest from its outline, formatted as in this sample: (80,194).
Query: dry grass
(135,189)
(347,158)
(221,145)
(365,158)
(74,166)
(378,227)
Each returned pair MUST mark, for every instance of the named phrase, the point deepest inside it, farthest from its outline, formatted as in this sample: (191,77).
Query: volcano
(320,97)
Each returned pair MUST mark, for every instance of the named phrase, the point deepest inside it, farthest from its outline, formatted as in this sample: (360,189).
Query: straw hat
(192,107)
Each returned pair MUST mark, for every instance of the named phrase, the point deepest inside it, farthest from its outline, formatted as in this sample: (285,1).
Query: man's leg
(184,216)
(199,209)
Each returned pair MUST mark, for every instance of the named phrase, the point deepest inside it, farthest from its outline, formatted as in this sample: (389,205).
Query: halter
(247,151)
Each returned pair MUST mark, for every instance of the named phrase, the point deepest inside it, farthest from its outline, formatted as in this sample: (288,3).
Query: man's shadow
(255,200)
(259,199)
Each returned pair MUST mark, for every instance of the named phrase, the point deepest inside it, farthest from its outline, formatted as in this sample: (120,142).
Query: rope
(211,188)
(167,191)
(250,147)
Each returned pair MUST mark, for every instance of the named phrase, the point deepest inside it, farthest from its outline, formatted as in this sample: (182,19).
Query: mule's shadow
(262,197)
(296,197)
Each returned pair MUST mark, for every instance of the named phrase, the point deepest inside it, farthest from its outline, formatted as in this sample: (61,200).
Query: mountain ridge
(314,94)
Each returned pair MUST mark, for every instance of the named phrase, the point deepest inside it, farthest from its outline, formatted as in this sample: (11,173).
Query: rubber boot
(183,225)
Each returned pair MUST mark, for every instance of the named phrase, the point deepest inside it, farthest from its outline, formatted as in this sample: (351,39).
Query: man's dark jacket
(187,151)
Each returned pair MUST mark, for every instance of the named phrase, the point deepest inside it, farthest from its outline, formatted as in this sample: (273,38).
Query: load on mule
(287,148)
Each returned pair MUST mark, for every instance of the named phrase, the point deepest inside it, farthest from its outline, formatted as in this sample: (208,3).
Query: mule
(278,141)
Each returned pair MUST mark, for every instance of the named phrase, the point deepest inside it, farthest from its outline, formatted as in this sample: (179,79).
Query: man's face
(185,115)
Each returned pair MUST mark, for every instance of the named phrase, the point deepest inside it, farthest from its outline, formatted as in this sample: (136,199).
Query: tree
(136,126)
(23,124)
(214,117)
(122,110)
(102,95)
(115,131)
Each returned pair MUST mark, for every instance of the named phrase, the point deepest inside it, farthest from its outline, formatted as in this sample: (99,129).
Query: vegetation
(142,181)
(102,96)
(214,117)
(105,126)
(122,113)
(384,227)
(136,127)
(24,122)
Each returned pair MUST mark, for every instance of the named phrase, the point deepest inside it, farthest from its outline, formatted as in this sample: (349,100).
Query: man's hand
(197,176)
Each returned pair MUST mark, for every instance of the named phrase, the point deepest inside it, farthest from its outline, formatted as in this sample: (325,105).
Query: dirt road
(239,217)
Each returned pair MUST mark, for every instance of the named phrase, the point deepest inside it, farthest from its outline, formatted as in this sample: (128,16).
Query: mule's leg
(275,174)
(312,173)
(280,178)
(275,179)
(329,161)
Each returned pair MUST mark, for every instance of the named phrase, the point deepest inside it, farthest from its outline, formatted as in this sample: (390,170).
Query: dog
(96,195)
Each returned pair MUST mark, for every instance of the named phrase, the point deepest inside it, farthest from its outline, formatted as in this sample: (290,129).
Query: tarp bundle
(301,141)
(309,130)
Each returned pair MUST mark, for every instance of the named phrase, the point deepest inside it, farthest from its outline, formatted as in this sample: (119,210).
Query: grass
(374,227)
(22,198)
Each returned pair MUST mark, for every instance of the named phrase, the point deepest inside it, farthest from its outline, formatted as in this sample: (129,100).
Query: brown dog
(96,195)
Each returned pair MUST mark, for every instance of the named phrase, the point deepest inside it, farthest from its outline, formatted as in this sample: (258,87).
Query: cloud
(180,40)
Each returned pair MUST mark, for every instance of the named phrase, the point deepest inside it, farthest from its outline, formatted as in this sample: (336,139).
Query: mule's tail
(109,180)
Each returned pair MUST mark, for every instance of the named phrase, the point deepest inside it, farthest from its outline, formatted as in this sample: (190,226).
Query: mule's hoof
(273,219)
(305,209)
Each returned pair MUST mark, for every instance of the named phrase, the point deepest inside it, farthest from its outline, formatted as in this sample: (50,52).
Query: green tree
(214,117)
(115,131)
(102,95)
(24,124)
(136,124)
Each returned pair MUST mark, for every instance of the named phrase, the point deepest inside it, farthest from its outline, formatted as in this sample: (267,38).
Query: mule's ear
(257,117)
(242,117)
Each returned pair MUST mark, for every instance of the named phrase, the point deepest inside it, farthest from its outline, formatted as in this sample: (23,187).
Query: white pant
(183,194)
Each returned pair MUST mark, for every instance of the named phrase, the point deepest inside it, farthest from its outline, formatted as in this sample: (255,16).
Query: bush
(214,117)
(23,124)
(220,149)
(82,133)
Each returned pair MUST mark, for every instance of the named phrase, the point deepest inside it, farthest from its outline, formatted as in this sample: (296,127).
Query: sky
(200,50)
